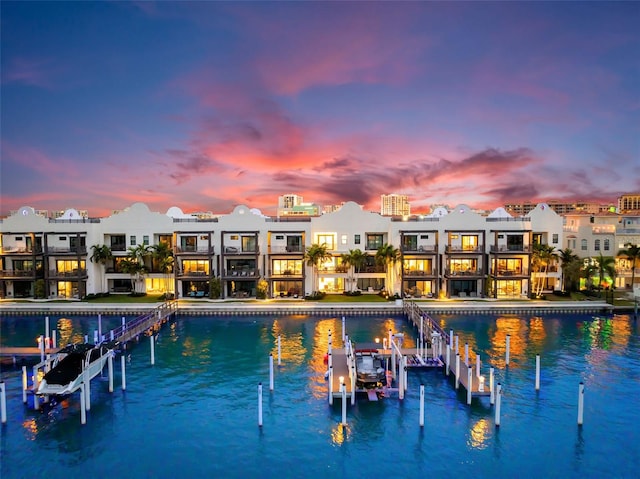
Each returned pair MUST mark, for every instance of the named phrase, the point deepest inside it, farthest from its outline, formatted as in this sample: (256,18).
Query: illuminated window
(327,240)
(343,239)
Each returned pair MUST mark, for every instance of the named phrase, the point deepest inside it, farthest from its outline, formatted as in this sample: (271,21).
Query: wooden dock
(26,352)
(340,368)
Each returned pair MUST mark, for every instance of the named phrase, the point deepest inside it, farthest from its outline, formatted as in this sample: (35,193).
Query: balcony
(66,250)
(233,250)
(286,249)
(509,249)
(510,273)
(8,250)
(203,250)
(423,249)
(464,273)
(79,273)
(235,274)
(17,273)
(418,273)
(458,249)
(189,273)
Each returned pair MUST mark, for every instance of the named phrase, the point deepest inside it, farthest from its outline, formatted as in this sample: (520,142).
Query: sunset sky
(209,105)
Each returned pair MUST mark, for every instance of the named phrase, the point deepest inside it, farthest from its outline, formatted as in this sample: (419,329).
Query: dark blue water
(194,414)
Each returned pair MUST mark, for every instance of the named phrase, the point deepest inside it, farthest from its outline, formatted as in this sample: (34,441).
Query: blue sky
(207,105)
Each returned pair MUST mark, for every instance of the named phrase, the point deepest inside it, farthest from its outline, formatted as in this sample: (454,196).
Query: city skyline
(212,104)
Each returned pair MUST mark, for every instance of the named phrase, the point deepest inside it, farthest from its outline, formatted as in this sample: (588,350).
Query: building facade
(394,205)
(450,253)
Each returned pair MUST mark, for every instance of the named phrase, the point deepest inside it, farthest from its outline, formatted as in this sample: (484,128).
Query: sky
(208,105)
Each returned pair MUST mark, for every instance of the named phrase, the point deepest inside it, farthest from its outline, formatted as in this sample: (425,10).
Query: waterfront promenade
(239,307)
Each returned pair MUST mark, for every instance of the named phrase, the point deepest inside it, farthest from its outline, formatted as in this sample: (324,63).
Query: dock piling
(508,345)
(498,402)
(492,395)
(83,410)
(270,372)
(469,384)
(537,372)
(457,370)
(110,370)
(580,403)
(259,404)
(152,342)
(422,405)
(466,354)
(3,403)
(124,372)
(343,390)
(279,350)
(24,384)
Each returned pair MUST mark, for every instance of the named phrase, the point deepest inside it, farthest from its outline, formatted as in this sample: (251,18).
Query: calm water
(194,414)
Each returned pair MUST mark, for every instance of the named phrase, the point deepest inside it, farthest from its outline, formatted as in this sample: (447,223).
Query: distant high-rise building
(293,205)
(629,202)
(394,205)
(560,207)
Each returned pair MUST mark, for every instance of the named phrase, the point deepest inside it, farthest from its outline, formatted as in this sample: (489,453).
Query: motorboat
(370,372)
(72,365)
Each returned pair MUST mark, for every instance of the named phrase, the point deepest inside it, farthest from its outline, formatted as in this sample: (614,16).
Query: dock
(26,352)
(340,368)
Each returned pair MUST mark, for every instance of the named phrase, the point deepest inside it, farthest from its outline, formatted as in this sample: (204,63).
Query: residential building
(394,205)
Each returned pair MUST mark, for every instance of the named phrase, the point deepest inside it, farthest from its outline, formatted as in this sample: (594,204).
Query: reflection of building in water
(479,434)
(516,328)
(292,349)
(537,334)
(68,332)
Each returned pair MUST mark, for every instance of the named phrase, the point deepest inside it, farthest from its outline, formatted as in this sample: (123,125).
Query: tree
(606,266)
(542,256)
(632,253)
(387,256)
(135,265)
(353,260)
(101,254)
(588,272)
(314,255)
(162,256)
(567,260)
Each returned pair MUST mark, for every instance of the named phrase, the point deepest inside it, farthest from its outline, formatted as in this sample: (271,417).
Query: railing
(420,273)
(140,324)
(242,274)
(17,273)
(468,272)
(515,272)
(67,249)
(420,249)
(464,249)
(510,248)
(285,249)
(229,250)
(19,250)
(194,249)
(189,273)
(76,273)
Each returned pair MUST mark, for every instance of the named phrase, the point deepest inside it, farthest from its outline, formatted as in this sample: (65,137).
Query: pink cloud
(30,71)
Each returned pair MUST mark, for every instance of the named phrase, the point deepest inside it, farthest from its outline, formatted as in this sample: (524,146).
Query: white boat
(370,371)
(72,366)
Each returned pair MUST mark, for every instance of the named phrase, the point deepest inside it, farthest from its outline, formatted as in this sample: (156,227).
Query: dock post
(259,404)
(580,403)
(270,372)
(41,347)
(124,324)
(478,364)
(457,370)
(469,384)
(393,361)
(86,339)
(279,350)
(422,405)
(83,410)
(508,345)
(152,342)
(405,372)
(95,336)
(24,385)
(111,335)
(344,332)
(401,381)
(47,337)
(498,401)
(353,384)
(329,344)
(466,354)
(331,385)
(124,372)
(54,338)
(100,326)
(537,372)
(87,390)
(330,360)
(110,368)
(447,359)
(3,403)
(457,345)
(492,396)
(389,340)
(343,389)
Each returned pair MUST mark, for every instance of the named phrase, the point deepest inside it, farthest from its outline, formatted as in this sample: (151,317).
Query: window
(62,238)
(583,245)
(374,241)
(145,240)
(233,237)
(424,236)
(554,238)
(356,239)
(279,237)
(606,245)
(132,240)
(327,240)
(596,245)
(343,239)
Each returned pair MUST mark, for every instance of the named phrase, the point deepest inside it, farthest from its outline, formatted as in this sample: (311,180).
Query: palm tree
(388,255)
(136,265)
(314,255)
(588,272)
(567,259)
(632,253)
(101,254)
(354,260)
(606,267)
(542,256)
(162,256)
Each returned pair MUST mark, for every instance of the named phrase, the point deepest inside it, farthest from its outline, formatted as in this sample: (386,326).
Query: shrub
(315,296)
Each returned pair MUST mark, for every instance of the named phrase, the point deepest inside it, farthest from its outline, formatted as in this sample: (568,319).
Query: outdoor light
(341,380)
(377,340)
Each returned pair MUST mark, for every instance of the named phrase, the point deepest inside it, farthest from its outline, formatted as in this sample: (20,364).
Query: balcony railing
(510,249)
(19,250)
(195,249)
(468,272)
(242,274)
(286,249)
(17,273)
(420,249)
(464,249)
(232,250)
(502,273)
(75,273)
(66,250)
(192,274)
(414,272)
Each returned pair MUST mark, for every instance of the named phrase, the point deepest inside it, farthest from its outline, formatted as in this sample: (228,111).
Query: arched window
(597,245)
(606,245)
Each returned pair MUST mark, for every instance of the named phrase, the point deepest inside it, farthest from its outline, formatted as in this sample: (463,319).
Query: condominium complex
(293,205)
(394,205)
(449,253)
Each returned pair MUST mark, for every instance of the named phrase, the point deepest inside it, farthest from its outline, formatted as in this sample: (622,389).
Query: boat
(370,371)
(72,365)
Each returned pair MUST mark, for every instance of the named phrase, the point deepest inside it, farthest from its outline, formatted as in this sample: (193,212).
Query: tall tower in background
(394,205)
